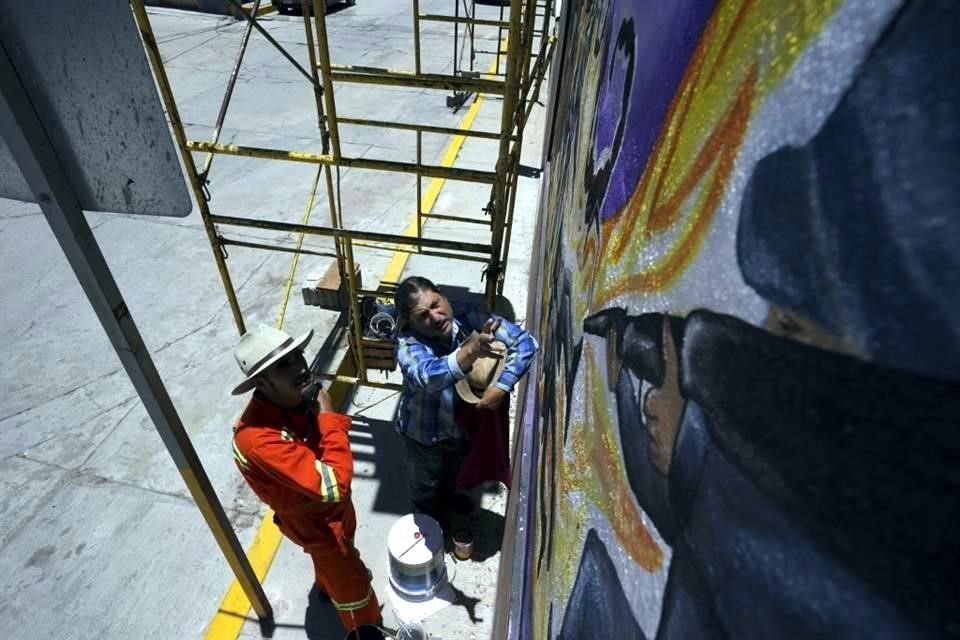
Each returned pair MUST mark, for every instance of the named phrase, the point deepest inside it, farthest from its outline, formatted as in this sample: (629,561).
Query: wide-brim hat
(485,372)
(261,347)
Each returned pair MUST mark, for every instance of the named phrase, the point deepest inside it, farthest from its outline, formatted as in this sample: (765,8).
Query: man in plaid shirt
(437,348)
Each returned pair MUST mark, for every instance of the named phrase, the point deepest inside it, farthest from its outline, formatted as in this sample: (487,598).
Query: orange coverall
(301,466)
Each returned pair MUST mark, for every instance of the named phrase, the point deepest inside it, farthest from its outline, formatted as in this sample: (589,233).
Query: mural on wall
(749,301)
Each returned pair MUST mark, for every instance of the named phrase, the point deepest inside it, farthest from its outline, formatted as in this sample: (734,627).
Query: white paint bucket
(417,567)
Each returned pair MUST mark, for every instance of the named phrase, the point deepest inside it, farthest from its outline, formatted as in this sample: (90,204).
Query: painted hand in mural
(645,345)
(663,407)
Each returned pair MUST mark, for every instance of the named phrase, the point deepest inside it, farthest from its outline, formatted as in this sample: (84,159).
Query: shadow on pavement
(321,621)
(388,462)
(487,529)
(469,603)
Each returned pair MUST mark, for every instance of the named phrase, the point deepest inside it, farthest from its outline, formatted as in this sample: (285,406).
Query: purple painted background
(666,35)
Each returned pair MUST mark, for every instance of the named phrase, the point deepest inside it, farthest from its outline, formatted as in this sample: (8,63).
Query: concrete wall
(744,419)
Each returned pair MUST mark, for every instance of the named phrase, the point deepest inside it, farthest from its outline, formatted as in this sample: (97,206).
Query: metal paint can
(417,567)
(463,544)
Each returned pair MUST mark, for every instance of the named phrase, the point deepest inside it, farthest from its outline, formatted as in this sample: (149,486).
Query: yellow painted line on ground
(233,611)
(399,260)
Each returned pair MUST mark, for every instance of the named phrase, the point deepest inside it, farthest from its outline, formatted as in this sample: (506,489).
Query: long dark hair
(406,294)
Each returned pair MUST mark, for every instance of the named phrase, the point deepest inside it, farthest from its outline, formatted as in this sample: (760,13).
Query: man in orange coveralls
(295,454)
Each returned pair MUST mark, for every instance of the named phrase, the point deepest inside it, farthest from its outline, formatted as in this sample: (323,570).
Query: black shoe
(365,632)
(444,523)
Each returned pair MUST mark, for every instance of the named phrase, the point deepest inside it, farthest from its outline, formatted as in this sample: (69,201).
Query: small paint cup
(462,544)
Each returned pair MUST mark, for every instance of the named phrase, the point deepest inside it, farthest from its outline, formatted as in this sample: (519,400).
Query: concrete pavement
(98,535)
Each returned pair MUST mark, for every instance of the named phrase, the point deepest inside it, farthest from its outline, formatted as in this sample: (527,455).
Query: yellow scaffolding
(518,84)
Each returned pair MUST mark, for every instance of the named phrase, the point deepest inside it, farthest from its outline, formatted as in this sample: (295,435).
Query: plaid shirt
(430,371)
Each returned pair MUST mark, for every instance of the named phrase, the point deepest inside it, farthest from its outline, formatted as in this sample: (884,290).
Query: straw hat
(484,373)
(261,347)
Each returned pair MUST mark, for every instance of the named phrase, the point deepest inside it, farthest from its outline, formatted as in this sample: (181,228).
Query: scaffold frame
(518,85)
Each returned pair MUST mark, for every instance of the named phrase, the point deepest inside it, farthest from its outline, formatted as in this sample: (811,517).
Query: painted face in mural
(431,315)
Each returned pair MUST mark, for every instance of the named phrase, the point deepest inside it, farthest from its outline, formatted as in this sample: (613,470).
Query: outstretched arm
(521,347)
